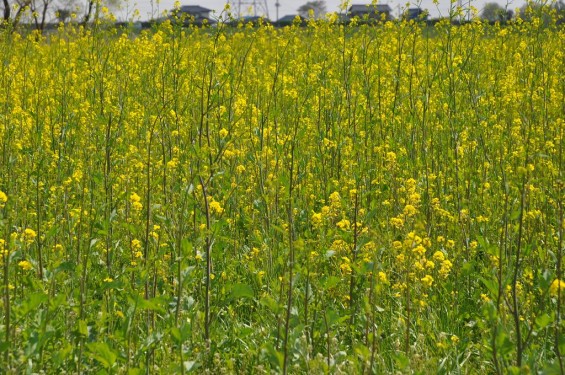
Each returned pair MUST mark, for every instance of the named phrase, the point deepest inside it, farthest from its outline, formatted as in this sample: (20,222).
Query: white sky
(155,7)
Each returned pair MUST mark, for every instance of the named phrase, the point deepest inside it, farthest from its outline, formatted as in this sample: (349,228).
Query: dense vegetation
(334,199)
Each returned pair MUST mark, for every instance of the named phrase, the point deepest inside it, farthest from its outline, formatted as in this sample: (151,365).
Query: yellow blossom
(25,265)
(29,235)
(216,207)
(427,280)
(3,198)
(439,256)
(409,210)
(382,277)
(135,201)
(557,286)
(445,268)
(135,244)
(397,222)
(419,250)
(343,224)
(316,219)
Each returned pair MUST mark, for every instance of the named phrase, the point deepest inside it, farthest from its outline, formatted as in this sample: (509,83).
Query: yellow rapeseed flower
(438,256)
(419,250)
(557,286)
(25,265)
(135,244)
(3,198)
(343,224)
(135,201)
(382,277)
(29,235)
(409,210)
(216,207)
(316,219)
(427,280)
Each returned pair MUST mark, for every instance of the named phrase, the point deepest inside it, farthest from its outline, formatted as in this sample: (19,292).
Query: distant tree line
(40,12)
(494,12)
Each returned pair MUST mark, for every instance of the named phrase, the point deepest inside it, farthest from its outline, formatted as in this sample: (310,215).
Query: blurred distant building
(290,19)
(194,14)
(370,11)
(417,14)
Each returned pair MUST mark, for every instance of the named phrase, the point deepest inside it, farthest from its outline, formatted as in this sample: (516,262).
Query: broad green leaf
(270,303)
(175,332)
(362,351)
(503,343)
(189,365)
(153,304)
(82,328)
(331,282)
(275,357)
(491,286)
(186,247)
(333,317)
(242,291)
(543,321)
(33,302)
(552,369)
(401,361)
(101,352)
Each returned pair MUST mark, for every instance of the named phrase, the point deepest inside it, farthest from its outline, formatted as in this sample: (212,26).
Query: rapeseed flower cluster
(3,199)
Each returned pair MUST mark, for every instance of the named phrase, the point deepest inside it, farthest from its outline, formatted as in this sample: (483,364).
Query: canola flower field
(330,199)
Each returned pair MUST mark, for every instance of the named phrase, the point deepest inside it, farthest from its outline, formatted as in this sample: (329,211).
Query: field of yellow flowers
(329,199)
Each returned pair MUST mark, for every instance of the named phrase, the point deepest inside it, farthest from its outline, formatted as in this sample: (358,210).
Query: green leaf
(275,357)
(33,302)
(543,321)
(101,352)
(93,242)
(552,369)
(401,361)
(332,318)
(62,354)
(175,332)
(503,343)
(186,247)
(242,291)
(4,346)
(189,365)
(153,304)
(514,215)
(82,328)
(561,343)
(491,286)
(66,266)
(362,351)
(486,246)
(331,282)
(270,303)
